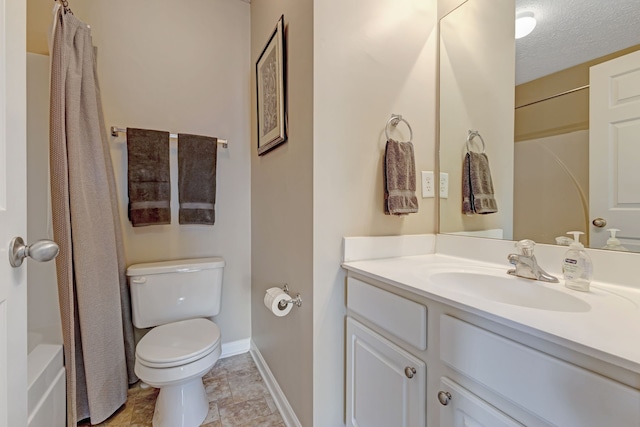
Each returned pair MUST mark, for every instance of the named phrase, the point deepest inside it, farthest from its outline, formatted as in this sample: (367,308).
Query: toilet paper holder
(297,300)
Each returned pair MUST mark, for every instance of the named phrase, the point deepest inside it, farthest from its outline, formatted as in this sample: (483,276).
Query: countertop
(608,329)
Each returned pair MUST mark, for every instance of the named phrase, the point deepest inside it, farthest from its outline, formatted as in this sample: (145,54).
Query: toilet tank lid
(175,266)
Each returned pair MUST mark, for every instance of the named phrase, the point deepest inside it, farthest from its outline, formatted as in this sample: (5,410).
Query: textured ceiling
(570,32)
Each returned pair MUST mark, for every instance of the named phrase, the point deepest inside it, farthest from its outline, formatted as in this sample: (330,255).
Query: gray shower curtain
(94,300)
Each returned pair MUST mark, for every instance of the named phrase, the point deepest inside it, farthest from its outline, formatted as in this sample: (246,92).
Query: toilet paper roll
(272,299)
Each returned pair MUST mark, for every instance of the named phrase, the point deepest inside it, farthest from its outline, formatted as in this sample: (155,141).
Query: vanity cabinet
(386,385)
(461,408)
(557,392)
(469,371)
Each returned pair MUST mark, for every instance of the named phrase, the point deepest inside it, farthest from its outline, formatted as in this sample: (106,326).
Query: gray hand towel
(197,156)
(148,174)
(477,186)
(399,179)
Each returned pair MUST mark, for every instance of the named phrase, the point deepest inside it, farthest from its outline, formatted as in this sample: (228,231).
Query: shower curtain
(94,300)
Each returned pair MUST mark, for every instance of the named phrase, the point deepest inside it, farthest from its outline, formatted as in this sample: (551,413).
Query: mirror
(530,101)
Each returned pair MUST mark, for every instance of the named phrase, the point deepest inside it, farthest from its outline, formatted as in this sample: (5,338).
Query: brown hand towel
(477,186)
(148,174)
(399,179)
(197,156)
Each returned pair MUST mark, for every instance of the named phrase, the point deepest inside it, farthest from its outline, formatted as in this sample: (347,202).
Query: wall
(281,209)
(369,62)
(38,24)
(183,68)
(43,314)
(477,79)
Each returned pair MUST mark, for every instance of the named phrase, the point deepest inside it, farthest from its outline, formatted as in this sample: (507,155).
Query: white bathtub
(46,386)
(46,378)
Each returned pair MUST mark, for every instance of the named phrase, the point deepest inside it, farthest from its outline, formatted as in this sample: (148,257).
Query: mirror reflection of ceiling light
(525,23)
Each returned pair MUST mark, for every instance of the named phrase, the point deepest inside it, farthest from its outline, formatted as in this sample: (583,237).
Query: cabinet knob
(409,372)
(444,397)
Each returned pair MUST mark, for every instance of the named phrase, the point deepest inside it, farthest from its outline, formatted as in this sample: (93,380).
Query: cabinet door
(385,384)
(461,408)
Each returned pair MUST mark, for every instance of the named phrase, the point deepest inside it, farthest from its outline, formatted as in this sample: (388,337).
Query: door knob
(599,222)
(41,251)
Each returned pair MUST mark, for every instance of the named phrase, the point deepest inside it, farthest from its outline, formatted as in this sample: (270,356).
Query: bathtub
(46,379)
(46,396)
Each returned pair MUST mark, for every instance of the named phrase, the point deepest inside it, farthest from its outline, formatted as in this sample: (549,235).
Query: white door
(461,408)
(385,384)
(13,219)
(614,150)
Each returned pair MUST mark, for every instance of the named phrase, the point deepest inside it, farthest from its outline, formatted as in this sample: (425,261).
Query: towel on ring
(148,177)
(399,179)
(197,156)
(477,186)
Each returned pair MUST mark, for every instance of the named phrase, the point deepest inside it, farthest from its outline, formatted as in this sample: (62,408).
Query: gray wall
(348,71)
(282,211)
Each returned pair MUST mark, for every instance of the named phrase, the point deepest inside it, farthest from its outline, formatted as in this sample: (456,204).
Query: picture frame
(271,97)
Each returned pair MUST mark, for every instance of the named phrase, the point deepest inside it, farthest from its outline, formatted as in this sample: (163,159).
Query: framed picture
(271,92)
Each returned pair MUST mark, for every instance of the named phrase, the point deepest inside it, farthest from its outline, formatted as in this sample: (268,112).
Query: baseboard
(286,411)
(235,347)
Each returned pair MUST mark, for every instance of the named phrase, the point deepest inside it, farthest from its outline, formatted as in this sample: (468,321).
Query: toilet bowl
(174,358)
(184,345)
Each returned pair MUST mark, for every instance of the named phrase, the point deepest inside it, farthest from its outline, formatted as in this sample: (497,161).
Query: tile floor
(237,398)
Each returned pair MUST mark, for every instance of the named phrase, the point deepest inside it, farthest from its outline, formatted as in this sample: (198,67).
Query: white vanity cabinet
(469,371)
(386,384)
(461,408)
(556,392)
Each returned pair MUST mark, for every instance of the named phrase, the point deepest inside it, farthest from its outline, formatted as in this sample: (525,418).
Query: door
(13,220)
(614,150)
(461,408)
(385,384)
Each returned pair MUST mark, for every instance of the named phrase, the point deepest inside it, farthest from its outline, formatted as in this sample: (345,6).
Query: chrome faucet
(526,264)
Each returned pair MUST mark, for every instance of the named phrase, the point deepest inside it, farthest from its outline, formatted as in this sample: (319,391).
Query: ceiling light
(525,23)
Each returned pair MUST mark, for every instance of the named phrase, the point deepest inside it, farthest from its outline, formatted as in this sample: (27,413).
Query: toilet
(176,298)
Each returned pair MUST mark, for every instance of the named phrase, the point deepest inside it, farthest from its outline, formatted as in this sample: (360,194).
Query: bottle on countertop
(613,244)
(577,267)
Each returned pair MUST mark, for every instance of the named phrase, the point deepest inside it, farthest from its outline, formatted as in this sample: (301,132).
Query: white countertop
(608,329)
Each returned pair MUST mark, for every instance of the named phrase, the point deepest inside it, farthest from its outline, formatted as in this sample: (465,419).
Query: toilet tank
(168,291)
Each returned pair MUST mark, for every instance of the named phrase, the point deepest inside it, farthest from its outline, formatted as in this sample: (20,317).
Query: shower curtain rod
(566,92)
(116,130)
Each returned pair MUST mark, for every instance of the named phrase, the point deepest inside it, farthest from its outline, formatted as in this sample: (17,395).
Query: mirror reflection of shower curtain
(94,301)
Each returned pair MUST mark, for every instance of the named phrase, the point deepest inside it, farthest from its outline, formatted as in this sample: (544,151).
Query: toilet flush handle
(139,280)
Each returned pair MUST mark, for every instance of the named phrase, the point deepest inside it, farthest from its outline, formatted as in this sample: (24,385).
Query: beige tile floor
(237,398)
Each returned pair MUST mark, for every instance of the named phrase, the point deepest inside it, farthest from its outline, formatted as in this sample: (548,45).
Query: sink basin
(509,290)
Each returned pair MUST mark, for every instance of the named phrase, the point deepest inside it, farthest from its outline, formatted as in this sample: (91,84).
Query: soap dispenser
(614,244)
(577,267)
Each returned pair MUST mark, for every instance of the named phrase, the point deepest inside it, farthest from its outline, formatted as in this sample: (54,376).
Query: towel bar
(116,130)
(393,121)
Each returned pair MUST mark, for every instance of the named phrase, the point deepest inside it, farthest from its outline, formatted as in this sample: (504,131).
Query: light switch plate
(428,184)
(444,185)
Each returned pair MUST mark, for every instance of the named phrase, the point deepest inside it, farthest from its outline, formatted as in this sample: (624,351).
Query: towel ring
(473,134)
(393,121)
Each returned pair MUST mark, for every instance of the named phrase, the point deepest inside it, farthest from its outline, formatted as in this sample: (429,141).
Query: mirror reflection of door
(614,150)
(550,184)
(553,192)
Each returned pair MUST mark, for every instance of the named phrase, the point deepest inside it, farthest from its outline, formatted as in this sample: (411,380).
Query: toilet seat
(178,343)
